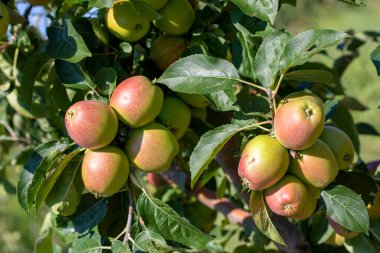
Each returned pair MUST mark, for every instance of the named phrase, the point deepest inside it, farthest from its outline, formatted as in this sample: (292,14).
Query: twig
(130,214)
(16,139)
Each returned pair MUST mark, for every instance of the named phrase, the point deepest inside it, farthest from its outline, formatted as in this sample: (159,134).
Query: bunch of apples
(303,157)
(150,146)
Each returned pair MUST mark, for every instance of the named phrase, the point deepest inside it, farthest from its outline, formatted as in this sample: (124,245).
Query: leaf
(262,219)
(66,43)
(100,4)
(119,247)
(304,45)
(106,80)
(268,57)
(310,75)
(361,244)
(101,33)
(31,70)
(249,49)
(207,148)
(150,242)
(71,75)
(199,74)
(43,152)
(223,100)
(143,8)
(215,5)
(365,128)
(263,9)
(346,208)
(246,24)
(354,2)
(89,243)
(162,219)
(329,107)
(44,243)
(375,58)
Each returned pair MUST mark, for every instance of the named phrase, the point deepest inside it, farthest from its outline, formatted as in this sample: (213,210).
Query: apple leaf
(346,208)
(310,75)
(208,147)
(160,218)
(223,100)
(71,75)
(354,2)
(149,241)
(106,80)
(263,9)
(119,247)
(66,43)
(143,8)
(248,50)
(199,74)
(304,45)
(91,242)
(375,58)
(44,243)
(100,4)
(262,219)
(362,243)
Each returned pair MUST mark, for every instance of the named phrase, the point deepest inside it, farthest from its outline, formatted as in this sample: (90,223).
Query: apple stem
(127,229)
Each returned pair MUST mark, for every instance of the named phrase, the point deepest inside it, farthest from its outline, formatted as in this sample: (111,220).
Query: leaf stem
(127,229)
(252,84)
(14,66)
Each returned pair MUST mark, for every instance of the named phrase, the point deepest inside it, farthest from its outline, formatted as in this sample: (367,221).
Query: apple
(315,165)
(287,197)
(195,100)
(178,16)
(156,4)
(105,170)
(167,49)
(4,20)
(175,115)
(310,204)
(151,148)
(137,101)
(342,231)
(299,121)
(91,124)
(335,240)
(340,144)
(374,208)
(263,162)
(125,23)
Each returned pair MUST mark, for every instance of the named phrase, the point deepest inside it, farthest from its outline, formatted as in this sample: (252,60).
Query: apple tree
(184,126)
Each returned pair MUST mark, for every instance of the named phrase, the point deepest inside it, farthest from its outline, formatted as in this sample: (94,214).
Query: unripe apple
(4,20)
(91,124)
(374,209)
(335,240)
(105,170)
(310,204)
(40,2)
(340,144)
(125,23)
(342,231)
(299,121)
(178,16)
(167,49)
(315,165)
(195,100)
(151,148)
(263,162)
(137,101)
(287,197)
(175,115)
(156,4)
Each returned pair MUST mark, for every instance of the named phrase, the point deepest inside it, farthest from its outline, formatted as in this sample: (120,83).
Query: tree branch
(130,214)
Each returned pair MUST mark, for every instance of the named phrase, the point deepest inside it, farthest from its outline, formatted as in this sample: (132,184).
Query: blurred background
(360,81)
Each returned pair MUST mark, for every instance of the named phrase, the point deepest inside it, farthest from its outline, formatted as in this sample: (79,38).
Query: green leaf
(346,208)
(31,70)
(100,4)
(329,107)
(247,24)
(119,247)
(90,243)
(262,219)
(310,75)
(208,147)
(263,9)
(249,49)
(375,58)
(215,5)
(199,74)
(268,57)
(354,2)
(304,45)
(143,8)
(162,219)
(39,156)
(101,33)
(44,243)
(223,100)
(71,75)
(66,43)
(106,80)
(361,244)
(150,242)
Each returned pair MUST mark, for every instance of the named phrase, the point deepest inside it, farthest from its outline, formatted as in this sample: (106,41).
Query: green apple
(125,23)
(156,4)
(4,20)
(195,100)
(167,49)
(178,16)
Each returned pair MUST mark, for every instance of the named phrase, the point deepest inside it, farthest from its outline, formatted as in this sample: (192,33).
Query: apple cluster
(136,102)
(130,25)
(303,157)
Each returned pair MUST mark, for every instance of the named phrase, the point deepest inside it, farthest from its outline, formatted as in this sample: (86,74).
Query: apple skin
(156,4)
(137,101)
(178,16)
(340,144)
(342,231)
(310,204)
(4,20)
(91,124)
(151,148)
(315,165)
(105,170)
(167,49)
(263,162)
(287,197)
(335,240)
(299,121)
(194,100)
(374,209)
(123,22)
(40,2)
(176,116)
